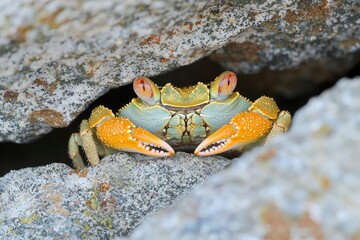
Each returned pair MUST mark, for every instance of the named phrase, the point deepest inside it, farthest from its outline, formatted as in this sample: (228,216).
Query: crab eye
(146,90)
(223,86)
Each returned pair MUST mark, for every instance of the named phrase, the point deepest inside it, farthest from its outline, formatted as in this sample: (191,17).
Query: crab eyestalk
(223,86)
(146,90)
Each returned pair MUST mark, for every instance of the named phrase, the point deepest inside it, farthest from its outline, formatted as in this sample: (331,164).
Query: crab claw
(244,130)
(120,133)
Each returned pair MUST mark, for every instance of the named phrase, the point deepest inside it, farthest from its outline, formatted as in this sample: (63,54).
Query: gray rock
(294,33)
(102,202)
(302,44)
(56,57)
(302,185)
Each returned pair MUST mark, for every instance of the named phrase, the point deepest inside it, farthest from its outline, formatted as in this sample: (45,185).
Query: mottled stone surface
(296,32)
(101,202)
(58,56)
(303,185)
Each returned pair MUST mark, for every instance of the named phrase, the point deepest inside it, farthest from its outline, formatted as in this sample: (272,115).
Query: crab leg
(281,125)
(74,153)
(86,140)
(245,129)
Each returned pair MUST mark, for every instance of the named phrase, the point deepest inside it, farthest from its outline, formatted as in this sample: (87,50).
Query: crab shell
(184,117)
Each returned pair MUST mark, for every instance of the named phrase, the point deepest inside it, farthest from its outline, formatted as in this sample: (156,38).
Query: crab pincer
(243,130)
(121,134)
(262,121)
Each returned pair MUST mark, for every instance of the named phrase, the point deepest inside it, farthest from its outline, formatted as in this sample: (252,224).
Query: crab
(212,119)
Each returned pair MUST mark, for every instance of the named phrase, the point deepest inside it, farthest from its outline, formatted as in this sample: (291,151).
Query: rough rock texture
(103,202)
(58,56)
(295,33)
(302,185)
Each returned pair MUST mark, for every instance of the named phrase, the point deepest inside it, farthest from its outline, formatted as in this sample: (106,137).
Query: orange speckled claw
(244,129)
(120,133)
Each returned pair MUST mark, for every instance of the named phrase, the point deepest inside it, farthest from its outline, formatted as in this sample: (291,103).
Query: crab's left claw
(243,130)
(247,129)
(120,133)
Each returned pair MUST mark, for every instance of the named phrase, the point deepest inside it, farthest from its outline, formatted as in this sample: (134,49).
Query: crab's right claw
(243,131)
(120,133)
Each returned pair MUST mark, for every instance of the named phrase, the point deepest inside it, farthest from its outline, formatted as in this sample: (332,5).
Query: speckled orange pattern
(250,126)
(115,131)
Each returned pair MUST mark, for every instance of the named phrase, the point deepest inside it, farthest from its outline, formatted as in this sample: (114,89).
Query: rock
(101,202)
(301,45)
(294,33)
(57,57)
(302,185)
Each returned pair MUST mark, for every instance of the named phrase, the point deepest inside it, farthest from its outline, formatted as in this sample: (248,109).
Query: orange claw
(120,133)
(244,129)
